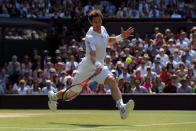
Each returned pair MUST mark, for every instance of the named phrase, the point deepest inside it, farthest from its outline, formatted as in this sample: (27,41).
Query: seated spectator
(176,15)
(127,87)
(194,66)
(1,89)
(142,68)
(100,89)
(14,65)
(171,61)
(156,67)
(121,82)
(125,74)
(170,68)
(182,70)
(154,88)
(138,88)
(175,80)
(3,77)
(159,84)
(170,88)
(9,88)
(163,57)
(184,88)
(48,87)
(35,90)
(164,74)
(93,86)
(22,89)
(62,78)
(119,68)
(150,74)
(108,62)
(60,86)
(147,84)
(71,64)
(86,90)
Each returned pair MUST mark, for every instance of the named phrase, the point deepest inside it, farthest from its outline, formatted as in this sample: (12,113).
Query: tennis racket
(70,94)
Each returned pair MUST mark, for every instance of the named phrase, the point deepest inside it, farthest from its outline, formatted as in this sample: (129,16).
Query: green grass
(96,120)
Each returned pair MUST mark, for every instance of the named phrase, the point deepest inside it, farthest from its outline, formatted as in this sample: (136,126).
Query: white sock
(119,103)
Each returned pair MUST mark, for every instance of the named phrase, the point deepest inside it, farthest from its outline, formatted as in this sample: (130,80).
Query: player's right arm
(90,45)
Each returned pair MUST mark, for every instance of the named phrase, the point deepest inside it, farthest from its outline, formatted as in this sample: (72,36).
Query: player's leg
(53,97)
(116,94)
(106,77)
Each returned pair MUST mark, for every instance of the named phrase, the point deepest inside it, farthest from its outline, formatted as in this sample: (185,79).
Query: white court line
(165,124)
(28,128)
(101,128)
(61,129)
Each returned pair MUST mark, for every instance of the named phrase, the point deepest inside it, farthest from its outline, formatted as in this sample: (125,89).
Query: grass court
(96,120)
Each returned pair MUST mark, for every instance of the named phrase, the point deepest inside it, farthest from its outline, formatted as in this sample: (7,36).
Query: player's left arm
(124,34)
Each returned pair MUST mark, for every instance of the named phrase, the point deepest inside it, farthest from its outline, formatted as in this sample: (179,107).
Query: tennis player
(96,41)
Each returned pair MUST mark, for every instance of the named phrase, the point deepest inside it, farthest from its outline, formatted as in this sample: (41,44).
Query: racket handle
(93,75)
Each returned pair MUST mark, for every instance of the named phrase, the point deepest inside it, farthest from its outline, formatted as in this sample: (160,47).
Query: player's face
(96,23)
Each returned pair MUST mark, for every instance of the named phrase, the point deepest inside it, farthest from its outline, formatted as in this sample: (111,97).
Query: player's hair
(94,13)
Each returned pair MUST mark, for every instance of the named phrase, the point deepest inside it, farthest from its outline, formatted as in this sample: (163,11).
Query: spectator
(1,89)
(100,89)
(86,90)
(14,65)
(150,74)
(176,15)
(163,57)
(185,88)
(72,64)
(108,62)
(138,88)
(48,87)
(22,89)
(127,87)
(156,67)
(164,74)
(125,74)
(60,86)
(136,39)
(158,84)
(147,84)
(169,88)
(35,90)
(142,68)
(3,77)
(69,81)
(9,88)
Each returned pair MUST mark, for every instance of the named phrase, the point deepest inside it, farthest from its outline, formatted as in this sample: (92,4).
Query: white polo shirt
(96,42)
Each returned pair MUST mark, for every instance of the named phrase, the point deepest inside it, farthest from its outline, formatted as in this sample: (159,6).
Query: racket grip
(93,75)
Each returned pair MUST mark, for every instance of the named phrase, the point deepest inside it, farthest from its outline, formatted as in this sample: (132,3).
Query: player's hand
(126,33)
(98,69)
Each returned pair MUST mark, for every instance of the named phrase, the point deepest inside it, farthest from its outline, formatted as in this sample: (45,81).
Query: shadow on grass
(87,125)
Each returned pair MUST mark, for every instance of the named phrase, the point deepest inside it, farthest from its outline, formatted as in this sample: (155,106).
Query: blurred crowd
(25,33)
(45,9)
(162,62)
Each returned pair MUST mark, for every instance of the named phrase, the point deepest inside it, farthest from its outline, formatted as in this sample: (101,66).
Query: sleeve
(106,33)
(90,45)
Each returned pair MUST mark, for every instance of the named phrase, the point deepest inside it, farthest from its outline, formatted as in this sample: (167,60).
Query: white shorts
(86,68)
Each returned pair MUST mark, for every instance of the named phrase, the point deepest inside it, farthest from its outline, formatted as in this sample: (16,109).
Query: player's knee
(110,81)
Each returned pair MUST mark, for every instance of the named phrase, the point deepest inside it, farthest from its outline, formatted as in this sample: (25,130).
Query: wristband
(97,63)
(119,38)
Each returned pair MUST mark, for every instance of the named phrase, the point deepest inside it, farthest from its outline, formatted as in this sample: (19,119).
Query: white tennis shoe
(52,104)
(124,110)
